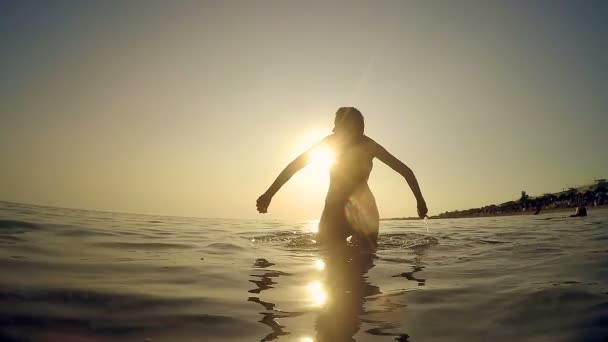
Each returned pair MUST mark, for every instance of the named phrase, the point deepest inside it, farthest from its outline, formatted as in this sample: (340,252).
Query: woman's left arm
(407,173)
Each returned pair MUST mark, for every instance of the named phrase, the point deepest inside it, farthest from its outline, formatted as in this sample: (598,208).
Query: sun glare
(312,226)
(314,178)
(322,159)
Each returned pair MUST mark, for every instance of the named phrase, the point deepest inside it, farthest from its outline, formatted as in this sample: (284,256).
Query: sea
(78,275)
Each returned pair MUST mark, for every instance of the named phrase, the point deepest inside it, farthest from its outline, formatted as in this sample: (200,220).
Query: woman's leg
(362,215)
(333,225)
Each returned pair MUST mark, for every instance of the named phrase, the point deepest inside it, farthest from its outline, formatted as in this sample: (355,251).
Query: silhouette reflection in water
(264,281)
(337,296)
(346,286)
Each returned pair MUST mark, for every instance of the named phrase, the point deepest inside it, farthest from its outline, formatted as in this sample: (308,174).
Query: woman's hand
(422,209)
(263,202)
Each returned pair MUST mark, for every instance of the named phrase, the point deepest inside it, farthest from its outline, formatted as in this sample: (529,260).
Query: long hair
(351,119)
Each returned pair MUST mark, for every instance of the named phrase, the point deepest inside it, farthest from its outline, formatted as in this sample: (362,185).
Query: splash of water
(426,222)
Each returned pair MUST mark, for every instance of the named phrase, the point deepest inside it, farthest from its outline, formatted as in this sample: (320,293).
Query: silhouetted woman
(350,207)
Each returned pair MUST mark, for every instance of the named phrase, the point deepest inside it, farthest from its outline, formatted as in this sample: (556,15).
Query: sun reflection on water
(317,293)
(319,265)
(312,226)
(307,339)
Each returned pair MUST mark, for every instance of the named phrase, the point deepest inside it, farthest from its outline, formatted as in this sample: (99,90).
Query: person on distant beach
(580,212)
(539,206)
(350,208)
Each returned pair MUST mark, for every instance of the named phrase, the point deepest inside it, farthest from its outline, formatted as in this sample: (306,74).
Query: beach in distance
(565,211)
(76,275)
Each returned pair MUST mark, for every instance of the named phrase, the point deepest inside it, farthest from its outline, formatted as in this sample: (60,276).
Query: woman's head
(349,121)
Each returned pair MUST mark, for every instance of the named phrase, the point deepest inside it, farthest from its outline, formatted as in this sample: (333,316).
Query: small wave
(7,239)
(75,312)
(600,238)
(398,260)
(413,241)
(143,245)
(16,227)
(228,246)
(221,248)
(80,232)
(302,242)
(283,236)
(292,240)
(493,242)
(401,337)
(590,308)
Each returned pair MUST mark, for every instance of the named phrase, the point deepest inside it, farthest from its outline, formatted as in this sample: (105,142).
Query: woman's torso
(350,207)
(350,170)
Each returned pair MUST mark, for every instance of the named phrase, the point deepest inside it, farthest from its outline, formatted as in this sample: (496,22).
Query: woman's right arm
(296,165)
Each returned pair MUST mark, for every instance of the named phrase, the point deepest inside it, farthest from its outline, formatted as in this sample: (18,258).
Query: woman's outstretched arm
(406,172)
(291,168)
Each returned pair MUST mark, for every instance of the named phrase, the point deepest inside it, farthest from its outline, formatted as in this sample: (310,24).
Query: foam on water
(84,275)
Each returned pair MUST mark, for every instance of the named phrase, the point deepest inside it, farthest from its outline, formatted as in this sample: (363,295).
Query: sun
(321,159)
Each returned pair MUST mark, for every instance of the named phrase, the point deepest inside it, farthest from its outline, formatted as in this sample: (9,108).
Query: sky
(192,108)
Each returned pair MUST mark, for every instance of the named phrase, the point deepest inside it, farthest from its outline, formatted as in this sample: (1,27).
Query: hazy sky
(193,108)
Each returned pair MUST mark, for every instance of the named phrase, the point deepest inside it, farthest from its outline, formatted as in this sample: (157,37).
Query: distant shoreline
(569,210)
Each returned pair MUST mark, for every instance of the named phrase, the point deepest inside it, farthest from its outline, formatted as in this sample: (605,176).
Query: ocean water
(74,275)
